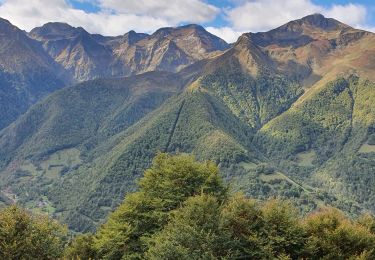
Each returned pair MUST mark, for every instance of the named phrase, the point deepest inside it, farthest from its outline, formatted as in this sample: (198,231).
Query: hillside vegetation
(183,210)
(287,113)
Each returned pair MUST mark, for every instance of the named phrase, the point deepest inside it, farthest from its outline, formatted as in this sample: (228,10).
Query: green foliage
(81,247)
(321,123)
(85,118)
(174,178)
(243,228)
(167,184)
(184,124)
(182,211)
(192,232)
(263,231)
(27,236)
(254,101)
(19,90)
(367,221)
(264,169)
(334,124)
(371,139)
(305,152)
(332,236)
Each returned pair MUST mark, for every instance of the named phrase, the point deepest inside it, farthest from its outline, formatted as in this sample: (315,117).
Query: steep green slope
(326,142)
(27,73)
(80,158)
(254,100)
(349,174)
(58,134)
(206,119)
(85,114)
(322,123)
(173,127)
(196,121)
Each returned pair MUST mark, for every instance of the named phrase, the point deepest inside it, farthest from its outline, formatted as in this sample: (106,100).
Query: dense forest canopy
(183,210)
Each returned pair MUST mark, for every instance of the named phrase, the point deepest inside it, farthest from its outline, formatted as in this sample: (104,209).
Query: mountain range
(287,113)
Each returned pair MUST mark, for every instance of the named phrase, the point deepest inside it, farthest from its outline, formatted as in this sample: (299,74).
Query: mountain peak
(192,26)
(319,21)
(56,30)
(132,36)
(5,21)
(301,32)
(311,23)
(6,26)
(180,29)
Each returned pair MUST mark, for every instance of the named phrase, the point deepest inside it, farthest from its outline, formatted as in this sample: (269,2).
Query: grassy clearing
(273,177)
(306,159)
(367,148)
(42,206)
(31,168)
(248,165)
(54,164)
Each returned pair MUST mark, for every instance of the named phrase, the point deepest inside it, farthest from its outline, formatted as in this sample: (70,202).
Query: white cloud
(28,14)
(194,11)
(226,33)
(352,14)
(368,28)
(263,15)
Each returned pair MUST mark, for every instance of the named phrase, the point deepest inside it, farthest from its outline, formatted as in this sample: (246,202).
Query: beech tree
(28,236)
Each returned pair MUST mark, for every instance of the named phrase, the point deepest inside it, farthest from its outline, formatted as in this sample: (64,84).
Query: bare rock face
(300,47)
(75,49)
(88,56)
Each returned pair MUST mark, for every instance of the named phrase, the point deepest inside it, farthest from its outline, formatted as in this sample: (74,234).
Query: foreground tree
(192,233)
(81,247)
(333,236)
(182,211)
(27,236)
(262,231)
(164,187)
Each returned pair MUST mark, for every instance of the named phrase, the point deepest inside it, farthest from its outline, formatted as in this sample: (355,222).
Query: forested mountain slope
(286,113)
(27,73)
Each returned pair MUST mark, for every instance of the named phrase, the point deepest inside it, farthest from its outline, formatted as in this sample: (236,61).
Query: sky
(227,19)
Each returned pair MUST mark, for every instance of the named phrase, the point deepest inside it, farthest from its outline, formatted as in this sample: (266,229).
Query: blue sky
(225,18)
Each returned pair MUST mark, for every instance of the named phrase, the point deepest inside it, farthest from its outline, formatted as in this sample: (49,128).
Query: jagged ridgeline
(287,113)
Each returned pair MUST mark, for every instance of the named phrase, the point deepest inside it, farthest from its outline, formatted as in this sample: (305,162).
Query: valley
(287,113)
